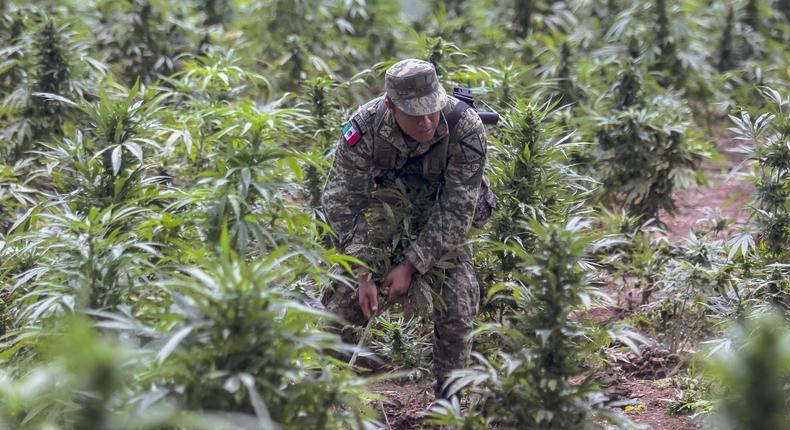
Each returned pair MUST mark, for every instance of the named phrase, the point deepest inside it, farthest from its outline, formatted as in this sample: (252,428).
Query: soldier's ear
(389,104)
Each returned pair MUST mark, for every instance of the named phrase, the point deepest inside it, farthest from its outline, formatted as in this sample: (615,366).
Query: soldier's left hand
(398,280)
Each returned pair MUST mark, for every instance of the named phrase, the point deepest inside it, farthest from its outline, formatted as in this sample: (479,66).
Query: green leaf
(116,158)
(55,97)
(173,343)
(136,150)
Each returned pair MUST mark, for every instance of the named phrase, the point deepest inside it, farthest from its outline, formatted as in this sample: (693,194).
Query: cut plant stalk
(366,333)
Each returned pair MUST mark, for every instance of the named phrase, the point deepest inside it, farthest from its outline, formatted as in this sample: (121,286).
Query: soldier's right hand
(368,295)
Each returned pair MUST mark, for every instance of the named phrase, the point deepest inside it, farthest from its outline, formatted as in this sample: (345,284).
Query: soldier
(418,136)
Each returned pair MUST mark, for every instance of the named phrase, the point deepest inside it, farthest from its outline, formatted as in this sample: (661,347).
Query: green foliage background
(162,246)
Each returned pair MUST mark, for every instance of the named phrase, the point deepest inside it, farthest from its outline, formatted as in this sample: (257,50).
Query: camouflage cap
(414,88)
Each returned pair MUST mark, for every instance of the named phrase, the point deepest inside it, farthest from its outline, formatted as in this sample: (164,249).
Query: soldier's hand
(398,280)
(368,295)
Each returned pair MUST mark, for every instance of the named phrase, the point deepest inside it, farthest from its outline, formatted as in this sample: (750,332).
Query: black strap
(436,158)
(454,116)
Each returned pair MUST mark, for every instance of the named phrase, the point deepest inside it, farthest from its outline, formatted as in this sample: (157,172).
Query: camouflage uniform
(448,172)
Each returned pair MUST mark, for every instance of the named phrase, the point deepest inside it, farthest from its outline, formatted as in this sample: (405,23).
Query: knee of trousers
(455,327)
(460,293)
(451,349)
(341,300)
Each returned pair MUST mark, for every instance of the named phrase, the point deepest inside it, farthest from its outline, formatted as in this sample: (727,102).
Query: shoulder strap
(454,116)
(384,156)
(436,160)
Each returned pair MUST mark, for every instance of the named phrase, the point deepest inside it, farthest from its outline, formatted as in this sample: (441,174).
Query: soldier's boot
(453,323)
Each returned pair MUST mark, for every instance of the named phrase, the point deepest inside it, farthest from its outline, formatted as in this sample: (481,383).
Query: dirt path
(403,403)
(727,191)
(647,400)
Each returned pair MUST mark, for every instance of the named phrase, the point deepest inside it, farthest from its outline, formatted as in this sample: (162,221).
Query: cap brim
(423,105)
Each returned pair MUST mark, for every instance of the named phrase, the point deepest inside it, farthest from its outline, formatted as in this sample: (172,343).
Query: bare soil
(726,190)
(651,409)
(403,403)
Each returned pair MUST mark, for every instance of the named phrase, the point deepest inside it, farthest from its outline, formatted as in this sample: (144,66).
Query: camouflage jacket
(358,171)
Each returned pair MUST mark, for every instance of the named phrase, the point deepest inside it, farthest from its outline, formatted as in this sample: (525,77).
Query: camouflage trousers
(452,323)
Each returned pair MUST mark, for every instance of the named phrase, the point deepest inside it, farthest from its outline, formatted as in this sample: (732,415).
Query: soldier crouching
(416,138)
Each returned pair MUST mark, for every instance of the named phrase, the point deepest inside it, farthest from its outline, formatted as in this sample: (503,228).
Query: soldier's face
(419,127)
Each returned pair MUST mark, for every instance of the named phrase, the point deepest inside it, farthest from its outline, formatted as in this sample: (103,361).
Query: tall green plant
(243,192)
(532,173)
(784,7)
(78,386)
(217,11)
(83,261)
(647,148)
(727,44)
(523,11)
(538,356)
(323,98)
(753,372)
(87,378)
(40,62)
(637,252)
(686,283)
(142,39)
(751,14)
(769,147)
(237,341)
(105,162)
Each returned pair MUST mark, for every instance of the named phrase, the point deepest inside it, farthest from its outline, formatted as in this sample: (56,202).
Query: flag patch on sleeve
(351,134)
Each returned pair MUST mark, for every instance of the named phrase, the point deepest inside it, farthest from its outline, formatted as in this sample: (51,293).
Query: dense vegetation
(162,246)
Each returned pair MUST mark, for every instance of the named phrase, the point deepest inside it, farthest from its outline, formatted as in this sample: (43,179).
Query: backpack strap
(455,115)
(384,154)
(436,159)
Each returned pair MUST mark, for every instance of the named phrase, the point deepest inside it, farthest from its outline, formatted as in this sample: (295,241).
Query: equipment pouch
(486,204)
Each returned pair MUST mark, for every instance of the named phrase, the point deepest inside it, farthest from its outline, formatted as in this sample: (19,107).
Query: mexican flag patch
(351,134)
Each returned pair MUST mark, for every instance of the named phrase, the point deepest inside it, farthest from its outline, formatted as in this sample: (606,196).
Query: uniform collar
(388,130)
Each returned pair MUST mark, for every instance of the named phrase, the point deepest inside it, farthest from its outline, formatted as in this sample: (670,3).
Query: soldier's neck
(411,143)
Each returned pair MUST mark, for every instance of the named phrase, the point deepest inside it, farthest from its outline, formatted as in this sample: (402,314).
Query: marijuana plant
(538,356)
(685,284)
(635,253)
(88,377)
(237,341)
(405,342)
(769,148)
(244,192)
(38,64)
(523,14)
(533,175)
(79,385)
(784,7)
(726,45)
(104,162)
(217,12)
(141,38)
(751,15)
(647,147)
(323,98)
(667,50)
(99,262)
(752,369)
